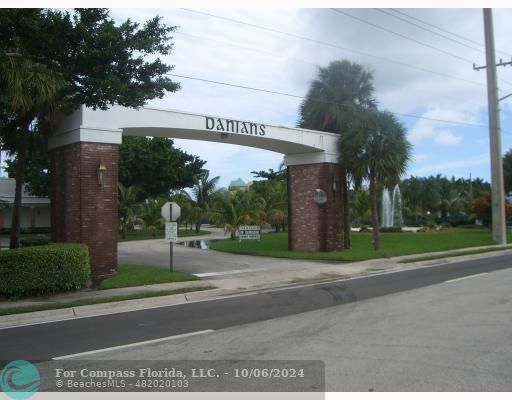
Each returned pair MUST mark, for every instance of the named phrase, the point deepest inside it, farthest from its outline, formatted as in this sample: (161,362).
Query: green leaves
(156,166)
(43,269)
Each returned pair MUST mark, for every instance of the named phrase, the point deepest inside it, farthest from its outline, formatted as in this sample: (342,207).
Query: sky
(416,72)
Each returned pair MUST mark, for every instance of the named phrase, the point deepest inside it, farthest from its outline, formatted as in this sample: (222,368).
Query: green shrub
(471,226)
(43,269)
(389,229)
(30,242)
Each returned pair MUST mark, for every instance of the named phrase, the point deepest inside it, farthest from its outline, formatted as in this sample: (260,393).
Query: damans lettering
(233,126)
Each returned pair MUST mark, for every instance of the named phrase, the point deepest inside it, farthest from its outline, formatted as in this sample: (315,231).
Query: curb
(101,309)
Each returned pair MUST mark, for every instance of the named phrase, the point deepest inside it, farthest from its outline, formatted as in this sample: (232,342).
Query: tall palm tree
(30,89)
(333,101)
(203,192)
(377,151)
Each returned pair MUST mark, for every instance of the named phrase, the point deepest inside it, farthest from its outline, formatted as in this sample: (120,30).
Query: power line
(409,38)
(460,123)
(429,30)
(402,36)
(508,54)
(320,42)
(287,58)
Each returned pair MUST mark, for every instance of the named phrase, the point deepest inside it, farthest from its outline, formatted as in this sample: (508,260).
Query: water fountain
(391,208)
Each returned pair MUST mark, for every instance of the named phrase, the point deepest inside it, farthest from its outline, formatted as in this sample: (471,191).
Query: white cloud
(447,137)
(434,128)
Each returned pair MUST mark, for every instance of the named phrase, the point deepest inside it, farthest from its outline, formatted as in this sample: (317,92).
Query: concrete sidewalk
(249,282)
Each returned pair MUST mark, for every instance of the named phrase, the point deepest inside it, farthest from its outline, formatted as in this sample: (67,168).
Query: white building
(35,211)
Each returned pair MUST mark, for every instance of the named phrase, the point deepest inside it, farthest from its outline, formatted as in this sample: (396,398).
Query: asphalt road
(48,340)
(454,336)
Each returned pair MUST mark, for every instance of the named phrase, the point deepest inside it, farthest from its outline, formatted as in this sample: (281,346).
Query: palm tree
(151,214)
(30,89)
(203,192)
(339,94)
(187,210)
(275,194)
(378,151)
(233,209)
(127,205)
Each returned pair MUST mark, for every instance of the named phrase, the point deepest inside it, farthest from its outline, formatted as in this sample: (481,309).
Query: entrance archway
(85,211)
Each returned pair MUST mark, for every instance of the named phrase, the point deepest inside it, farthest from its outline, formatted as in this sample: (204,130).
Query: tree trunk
(347,242)
(375,213)
(20,175)
(198,226)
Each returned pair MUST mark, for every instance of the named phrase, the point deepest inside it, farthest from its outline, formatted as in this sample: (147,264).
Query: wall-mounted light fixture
(335,184)
(102,169)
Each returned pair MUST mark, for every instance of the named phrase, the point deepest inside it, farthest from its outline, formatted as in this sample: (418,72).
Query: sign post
(171,212)
(249,232)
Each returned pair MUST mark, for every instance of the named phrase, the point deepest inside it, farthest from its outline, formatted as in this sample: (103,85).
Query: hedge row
(43,269)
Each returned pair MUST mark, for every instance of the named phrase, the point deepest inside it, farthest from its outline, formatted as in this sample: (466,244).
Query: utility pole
(497,188)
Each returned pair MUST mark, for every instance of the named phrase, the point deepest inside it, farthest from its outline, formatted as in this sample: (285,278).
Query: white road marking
(236,271)
(466,277)
(125,346)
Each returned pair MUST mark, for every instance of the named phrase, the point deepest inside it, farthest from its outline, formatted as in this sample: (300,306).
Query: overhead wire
(324,43)
(405,37)
(508,54)
(429,30)
(294,59)
(460,123)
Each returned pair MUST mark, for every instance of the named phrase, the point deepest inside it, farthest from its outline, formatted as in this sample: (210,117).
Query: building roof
(237,183)
(7,189)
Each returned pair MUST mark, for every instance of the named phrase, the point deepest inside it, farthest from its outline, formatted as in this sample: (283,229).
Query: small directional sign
(171,231)
(249,232)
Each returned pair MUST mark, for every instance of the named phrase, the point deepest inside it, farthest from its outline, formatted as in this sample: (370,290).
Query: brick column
(314,227)
(81,209)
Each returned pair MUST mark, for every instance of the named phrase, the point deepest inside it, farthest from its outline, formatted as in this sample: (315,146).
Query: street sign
(249,232)
(166,211)
(171,231)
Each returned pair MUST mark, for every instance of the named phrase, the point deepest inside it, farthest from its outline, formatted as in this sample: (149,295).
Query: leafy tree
(271,175)
(482,207)
(438,195)
(52,61)
(334,101)
(507,170)
(377,151)
(156,166)
(360,205)
(203,190)
(36,174)
(183,199)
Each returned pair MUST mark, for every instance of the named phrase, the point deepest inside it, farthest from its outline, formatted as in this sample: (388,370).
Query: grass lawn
(392,245)
(98,300)
(138,275)
(143,235)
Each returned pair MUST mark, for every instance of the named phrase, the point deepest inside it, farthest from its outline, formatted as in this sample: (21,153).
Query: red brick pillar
(81,209)
(314,227)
